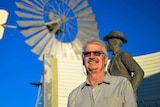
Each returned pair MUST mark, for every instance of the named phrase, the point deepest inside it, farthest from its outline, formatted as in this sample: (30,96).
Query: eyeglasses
(95,53)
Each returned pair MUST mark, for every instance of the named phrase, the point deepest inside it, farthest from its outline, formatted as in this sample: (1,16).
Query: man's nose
(92,55)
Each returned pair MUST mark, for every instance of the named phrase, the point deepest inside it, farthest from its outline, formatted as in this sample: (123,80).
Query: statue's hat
(116,34)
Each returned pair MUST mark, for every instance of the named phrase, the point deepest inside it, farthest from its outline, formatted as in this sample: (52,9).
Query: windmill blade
(84,35)
(31,4)
(58,49)
(81,6)
(39,3)
(43,2)
(53,49)
(88,25)
(3,19)
(66,51)
(28,8)
(89,31)
(63,50)
(77,47)
(73,3)
(84,12)
(90,17)
(34,39)
(47,49)
(28,15)
(65,1)
(38,48)
(70,53)
(1,32)
(30,23)
(31,31)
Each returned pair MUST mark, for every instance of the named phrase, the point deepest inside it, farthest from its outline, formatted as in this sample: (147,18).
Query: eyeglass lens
(95,53)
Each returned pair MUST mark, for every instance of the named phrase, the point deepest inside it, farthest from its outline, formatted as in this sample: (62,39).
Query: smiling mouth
(92,62)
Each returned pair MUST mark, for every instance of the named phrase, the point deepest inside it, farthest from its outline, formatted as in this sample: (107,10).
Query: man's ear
(106,59)
(83,61)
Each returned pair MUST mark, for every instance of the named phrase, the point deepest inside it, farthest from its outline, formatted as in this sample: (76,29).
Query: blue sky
(138,19)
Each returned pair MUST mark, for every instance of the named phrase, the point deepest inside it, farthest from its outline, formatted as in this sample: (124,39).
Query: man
(122,63)
(100,89)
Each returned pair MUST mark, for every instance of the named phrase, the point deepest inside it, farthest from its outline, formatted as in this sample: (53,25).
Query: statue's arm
(133,66)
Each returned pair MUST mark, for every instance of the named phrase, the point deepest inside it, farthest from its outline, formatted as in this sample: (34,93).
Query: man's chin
(93,69)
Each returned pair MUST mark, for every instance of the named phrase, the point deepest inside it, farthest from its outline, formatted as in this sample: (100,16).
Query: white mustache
(93,60)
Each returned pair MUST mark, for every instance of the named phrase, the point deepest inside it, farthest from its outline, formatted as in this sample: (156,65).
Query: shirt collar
(106,80)
(116,52)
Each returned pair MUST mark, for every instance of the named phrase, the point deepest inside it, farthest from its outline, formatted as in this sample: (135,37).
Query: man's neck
(95,78)
(116,51)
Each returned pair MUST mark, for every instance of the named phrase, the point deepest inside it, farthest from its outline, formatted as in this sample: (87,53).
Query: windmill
(56,27)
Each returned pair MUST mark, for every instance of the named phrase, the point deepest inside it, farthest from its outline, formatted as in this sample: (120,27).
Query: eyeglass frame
(95,53)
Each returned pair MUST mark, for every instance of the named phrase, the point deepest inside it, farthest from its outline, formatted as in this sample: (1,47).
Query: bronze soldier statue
(122,63)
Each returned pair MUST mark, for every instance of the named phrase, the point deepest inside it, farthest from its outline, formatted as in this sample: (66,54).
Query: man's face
(111,44)
(94,58)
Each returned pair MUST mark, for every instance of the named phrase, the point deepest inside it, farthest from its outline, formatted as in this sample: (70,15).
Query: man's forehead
(93,47)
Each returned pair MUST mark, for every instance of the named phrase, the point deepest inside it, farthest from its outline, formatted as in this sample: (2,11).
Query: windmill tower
(58,29)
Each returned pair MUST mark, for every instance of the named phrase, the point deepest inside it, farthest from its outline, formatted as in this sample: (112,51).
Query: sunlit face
(94,58)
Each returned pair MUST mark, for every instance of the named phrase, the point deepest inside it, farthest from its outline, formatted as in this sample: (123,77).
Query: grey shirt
(113,91)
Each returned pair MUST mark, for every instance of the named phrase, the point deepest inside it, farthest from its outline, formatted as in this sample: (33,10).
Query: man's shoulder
(118,82)
(118,79)
(124,54)
(78,88)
